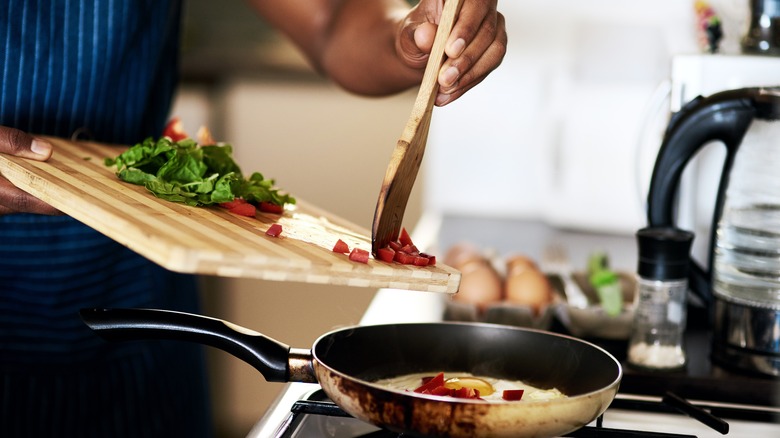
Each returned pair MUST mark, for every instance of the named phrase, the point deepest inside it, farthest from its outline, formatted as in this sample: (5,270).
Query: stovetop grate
(318,406)
(303,408)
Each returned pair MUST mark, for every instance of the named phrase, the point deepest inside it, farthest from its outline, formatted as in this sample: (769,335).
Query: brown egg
(480,284)
(526,285)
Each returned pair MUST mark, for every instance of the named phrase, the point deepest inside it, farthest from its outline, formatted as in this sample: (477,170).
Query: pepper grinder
(660,313)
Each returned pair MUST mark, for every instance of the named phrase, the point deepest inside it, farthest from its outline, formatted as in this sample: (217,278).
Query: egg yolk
(484,388)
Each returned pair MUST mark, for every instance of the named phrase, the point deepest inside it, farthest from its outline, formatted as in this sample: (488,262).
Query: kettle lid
(664,253)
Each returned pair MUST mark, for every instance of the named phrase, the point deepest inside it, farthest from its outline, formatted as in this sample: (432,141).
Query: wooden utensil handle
(429,86)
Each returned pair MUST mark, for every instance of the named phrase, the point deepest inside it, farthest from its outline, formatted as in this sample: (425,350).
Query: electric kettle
(741,286)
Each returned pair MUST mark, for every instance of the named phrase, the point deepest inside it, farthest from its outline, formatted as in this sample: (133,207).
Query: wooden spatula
(408,153)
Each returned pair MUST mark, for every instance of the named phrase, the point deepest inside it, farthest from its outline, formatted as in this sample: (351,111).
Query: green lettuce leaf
(188,173)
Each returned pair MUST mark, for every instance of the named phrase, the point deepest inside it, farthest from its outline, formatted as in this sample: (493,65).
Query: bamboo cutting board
(209,240)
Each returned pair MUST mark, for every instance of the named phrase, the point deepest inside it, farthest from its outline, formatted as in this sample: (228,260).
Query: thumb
(16,142)
(415,43)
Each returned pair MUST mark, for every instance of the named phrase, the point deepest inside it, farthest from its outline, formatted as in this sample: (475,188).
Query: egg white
(410,382)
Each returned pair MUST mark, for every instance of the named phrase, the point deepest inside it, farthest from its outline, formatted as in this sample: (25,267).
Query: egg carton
(583,322)
(501,313)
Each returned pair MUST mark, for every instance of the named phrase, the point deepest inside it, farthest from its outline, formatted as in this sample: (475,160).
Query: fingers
(15,200)
(22,144)
(476,47)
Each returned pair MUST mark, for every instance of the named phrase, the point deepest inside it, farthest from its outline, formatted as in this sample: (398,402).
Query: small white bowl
(592,321)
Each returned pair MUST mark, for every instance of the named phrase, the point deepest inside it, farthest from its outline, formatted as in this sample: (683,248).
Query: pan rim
(612,385)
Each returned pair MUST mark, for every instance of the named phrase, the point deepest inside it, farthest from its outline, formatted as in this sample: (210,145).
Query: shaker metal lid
(664,253)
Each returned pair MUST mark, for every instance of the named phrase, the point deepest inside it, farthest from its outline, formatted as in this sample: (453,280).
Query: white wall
(564,130)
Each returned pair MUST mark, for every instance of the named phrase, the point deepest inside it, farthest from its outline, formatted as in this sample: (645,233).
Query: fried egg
(490,389)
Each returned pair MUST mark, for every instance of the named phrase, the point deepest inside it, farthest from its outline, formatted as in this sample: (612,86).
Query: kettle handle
(723,117)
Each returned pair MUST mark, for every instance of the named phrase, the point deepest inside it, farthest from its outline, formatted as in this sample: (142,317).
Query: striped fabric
(107,69)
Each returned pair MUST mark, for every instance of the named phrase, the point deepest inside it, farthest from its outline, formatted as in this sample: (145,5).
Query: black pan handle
(269,356)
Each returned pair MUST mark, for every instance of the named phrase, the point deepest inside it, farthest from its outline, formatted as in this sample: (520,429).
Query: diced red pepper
(274,230)
(512,394)
(233,203)
(431,383)
(420,261)
(270,207)
(401,251)
(175,130)
(385,254)
(404,238)
(248,210)
(440,390)
(436,386)
(410,249)
(341,247)
(404,258)
(465,393)
(427,379)
(359,255)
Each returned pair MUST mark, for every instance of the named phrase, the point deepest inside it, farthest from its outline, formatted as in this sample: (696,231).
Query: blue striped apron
(106,69)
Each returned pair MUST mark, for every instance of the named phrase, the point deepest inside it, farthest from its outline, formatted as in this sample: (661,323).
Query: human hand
(21,144)
(475,48)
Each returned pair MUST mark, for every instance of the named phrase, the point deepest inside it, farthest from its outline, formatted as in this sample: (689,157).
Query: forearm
(378,47)
(351,42)
(361,54)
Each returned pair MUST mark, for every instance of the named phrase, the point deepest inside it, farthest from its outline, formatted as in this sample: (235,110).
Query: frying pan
(345,362)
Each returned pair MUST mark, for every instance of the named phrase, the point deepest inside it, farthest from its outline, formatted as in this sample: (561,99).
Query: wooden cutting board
(209,240)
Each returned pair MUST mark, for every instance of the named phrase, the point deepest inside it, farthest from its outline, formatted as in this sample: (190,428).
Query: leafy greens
(191,174)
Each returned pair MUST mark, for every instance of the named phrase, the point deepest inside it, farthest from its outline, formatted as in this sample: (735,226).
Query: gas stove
(702,401)
(316,416)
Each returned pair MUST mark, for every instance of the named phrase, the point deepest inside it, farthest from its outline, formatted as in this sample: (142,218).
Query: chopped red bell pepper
(233,203)
(270,207)
(341,247)
(512,394)
(404,238)
(359,255)
(245,209)
(175,130)
(465,393)
(410,249)
(437,386)
(431,383)
(274,230)
(440,390)
(404,258)
(420,261)
(385,254)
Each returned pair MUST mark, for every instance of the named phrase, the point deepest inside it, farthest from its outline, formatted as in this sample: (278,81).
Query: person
(108,69)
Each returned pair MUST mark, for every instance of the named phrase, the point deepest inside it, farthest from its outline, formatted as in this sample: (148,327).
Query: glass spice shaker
(660,303)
